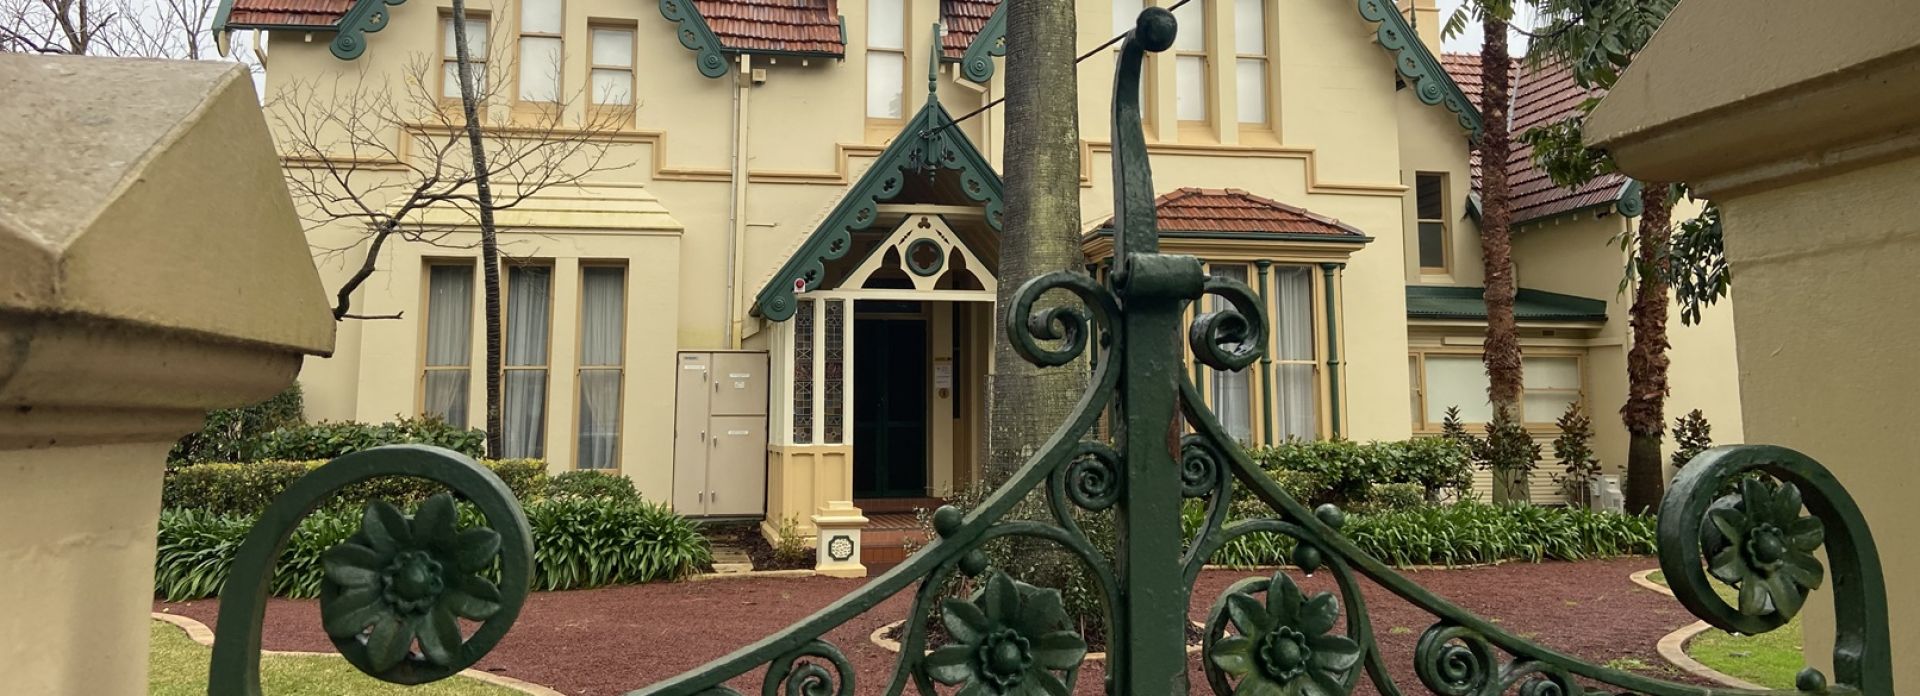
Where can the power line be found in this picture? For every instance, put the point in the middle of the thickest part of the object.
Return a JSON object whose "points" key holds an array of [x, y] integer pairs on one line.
{"points": [[1083, 57]]}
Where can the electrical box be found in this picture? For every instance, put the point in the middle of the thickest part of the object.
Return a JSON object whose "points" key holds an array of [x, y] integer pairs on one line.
{"points": [[720, 435]]}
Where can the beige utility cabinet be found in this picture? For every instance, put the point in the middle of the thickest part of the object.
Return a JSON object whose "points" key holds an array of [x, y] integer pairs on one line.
{"points": [[720, 435]]}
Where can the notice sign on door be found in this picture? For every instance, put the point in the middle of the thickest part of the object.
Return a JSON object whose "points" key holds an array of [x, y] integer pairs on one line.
{"points": [[943, 374]]}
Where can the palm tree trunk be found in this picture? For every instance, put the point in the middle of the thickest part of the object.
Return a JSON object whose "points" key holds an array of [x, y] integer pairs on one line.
{"points": [[489, 246], [1501, 351], [1645, 411], [1042, 224]]}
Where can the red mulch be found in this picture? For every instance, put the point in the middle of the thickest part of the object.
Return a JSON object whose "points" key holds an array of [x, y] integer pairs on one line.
{"points": [[610, 641]]}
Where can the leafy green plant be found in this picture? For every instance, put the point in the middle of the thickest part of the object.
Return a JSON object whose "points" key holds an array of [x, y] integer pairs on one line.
{"points": [[1574, 450], [329, 439], [1692, 434], [1344, 472], [578, 543], [585, 542], [1459, 534], [231, 435], [585, 483], [247, 488], [1509, 451], [790, 550]]}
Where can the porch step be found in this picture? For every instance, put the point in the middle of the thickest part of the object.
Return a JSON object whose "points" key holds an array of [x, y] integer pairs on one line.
{"points": [[886, 537], [731, 559]]}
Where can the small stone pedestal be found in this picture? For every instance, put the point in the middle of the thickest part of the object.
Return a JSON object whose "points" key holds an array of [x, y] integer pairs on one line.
{"points": [[151, 269], [838, 552]]}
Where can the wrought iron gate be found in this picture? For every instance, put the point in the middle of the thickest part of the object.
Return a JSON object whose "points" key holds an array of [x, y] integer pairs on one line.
{"points": [[1734, 514]]}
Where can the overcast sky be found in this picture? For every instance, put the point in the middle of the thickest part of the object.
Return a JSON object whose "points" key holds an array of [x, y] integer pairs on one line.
{"points": [[1468, 41]]}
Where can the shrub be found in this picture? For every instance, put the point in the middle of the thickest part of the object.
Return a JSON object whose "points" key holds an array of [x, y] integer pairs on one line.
{"points": [[592, 484], [585, 542], [1461, 534], [1393, 497], [579, 543], [329, 439], [791, 549], [1691, 436], [1343, 472], [1511, 454], [245, 489], [1574, 449], [230, 435]]}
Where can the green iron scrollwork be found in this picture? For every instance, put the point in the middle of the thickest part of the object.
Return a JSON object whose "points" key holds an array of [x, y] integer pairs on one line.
{"points": [[1139, 445], [397, 581]]}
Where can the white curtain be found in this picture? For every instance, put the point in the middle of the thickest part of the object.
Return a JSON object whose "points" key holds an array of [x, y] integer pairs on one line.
{"points": [[523, 411], [1232, 391], [449, 342], [602, 325], [1293, 318]]}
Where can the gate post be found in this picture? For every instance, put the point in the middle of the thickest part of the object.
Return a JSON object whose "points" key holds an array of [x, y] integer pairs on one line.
{"points": [[1149, 651], [151, 268]]}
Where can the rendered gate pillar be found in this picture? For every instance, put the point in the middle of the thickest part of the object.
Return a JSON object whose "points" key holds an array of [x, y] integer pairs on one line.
{"points": [[1798, 119], [151, 268]]}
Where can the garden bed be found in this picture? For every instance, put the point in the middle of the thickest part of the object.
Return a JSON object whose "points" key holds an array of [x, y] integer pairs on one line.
{"points": [[609, 641]]}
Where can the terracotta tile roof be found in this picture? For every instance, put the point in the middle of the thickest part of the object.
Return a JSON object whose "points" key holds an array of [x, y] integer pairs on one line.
{"points": [[1540, 97], [964, 19], [782, 26], [1234, 210], [287, 13]]}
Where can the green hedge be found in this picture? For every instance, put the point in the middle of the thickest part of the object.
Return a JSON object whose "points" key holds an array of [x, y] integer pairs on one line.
{"points": [[226, 488], [591, 484], [1345, 473], [579, 543], [329, 439], [1461, 534]]}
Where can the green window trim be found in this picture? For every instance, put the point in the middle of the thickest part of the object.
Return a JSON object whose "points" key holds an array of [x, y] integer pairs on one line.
{"points": [[929, 140]]}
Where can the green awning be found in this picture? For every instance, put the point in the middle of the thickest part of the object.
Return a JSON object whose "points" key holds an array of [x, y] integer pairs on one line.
{"points": [[1433, 302]]}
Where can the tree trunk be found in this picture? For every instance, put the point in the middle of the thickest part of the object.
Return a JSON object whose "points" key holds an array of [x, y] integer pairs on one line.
{"points": [[1645, 411], [489, 245], [1042, 223], [1501, 352]]}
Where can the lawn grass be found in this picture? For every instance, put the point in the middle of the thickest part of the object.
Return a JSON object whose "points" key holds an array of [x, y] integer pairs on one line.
{"points": [[178, 667], [1771, 659]]}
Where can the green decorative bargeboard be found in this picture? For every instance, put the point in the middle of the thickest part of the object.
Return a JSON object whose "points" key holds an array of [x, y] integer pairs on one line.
{"points": [[1140, 445]]}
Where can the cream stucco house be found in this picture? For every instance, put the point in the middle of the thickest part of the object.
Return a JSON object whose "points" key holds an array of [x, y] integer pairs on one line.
{"points": [[786, 299]]}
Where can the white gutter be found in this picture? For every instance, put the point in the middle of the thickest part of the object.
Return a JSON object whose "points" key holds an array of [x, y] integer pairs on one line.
{"points": [[737, 199]]}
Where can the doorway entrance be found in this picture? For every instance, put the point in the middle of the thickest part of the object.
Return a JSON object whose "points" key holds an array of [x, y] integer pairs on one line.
{"points": [[890, 400]]}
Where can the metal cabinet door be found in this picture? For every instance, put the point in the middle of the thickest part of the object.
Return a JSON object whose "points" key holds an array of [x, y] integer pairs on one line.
{"points": [[691, 441], [737, 466], [739, 384]]}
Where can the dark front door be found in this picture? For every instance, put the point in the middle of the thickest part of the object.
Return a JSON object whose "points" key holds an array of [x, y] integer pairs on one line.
{"points": [[889, 408]]}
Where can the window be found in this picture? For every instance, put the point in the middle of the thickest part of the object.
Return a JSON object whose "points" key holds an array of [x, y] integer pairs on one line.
{"points": [[1232, 391], [886, 58], [477, 41], [449, 355], [612, 72], [1190, 69], [541, 23], [523, 408], [1430, 198], [603, 311], [1250, 59], [1549, 384], [1295, 365]]}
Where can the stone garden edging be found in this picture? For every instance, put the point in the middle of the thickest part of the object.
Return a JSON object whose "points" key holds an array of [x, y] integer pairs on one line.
{"points": [[1673, 646], [199, 633]]}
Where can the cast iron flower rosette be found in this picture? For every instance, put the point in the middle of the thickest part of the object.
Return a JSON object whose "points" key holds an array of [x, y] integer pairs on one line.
{"points": [[1139, 445]]}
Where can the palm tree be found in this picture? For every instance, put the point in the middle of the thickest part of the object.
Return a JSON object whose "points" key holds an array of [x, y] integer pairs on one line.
{"points": [[1596, 39], [1501, 351], [1042, 226]]}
